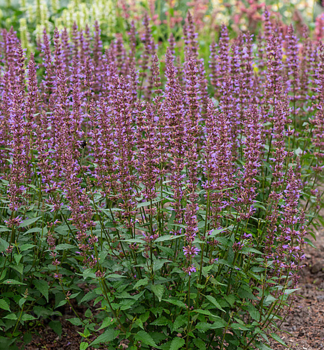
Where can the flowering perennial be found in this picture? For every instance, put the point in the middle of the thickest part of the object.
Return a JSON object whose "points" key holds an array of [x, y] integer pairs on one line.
{"points": [[176, 188]]}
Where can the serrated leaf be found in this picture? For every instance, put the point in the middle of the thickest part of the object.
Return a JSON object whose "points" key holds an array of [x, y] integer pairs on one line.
{"points": [[200, 344], [75, 321], [254, 313], [26, 317], [56, 326], [247, 250], [289, 291], [108, 321], [89, 296], [11, 317], [158, 290], [157, 264], [240, 327], [84, 346], [161, 321], [19, 268], [145, 338], [61, 303], [3, 245], [42, 287], [167, 238], [176, 302], [27, 246], [108, 336], [28, 222], [33, 230], [115, 276], [4, 305], [214, 302], [64, 246], [278, 339], [179, 321], [142, 282], [177, 343], [11, 282]]}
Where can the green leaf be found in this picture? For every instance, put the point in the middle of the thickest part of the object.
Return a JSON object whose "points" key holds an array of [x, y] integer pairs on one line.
{"points": [[75, 321], [176, 302], [88, 313], [21, 302], [203, 326], [161, 321], [89, 296], [42, 287], [289, 291], [214, 233], [177, 343], [142, 282], [115, 276], [254, 313], [83, 345], [108, 321], [214, 302], [4, 305], [179, 321], [157, 264], [64, 246], [26, 317], [11, 282], [167, 238], [108, 336], [19, 268], [158, 290], [28, 222], [240, 327], [262, 346], [3, 245], [278, 339], [11, 317], [61, 303], [247, 250], [200, 344], [145, 338], [33, 230], [26, 247], [56, 326]]}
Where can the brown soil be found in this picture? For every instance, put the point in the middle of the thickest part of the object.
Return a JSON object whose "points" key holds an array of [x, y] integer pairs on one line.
{"points": [[303, 328]]}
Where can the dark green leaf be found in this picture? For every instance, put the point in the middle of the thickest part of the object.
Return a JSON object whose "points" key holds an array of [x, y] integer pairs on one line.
{"points": [[4, 305], [158, 290], [200, 344], [42, 287], [145, 338], [278, 339], [56, 326], [142, 282], [214, 302], [106, 337], [177, 343], [28, 222]]}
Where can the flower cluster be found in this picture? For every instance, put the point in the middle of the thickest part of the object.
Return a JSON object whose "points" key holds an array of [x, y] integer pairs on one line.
{"points": [[166, 174]]}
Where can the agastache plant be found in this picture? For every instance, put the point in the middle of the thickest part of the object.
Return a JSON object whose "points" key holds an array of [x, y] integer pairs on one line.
{"points": [[181, 196]]}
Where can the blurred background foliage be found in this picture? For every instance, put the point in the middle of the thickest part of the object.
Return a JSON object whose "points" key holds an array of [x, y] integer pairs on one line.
{"points": [[29, 17]]}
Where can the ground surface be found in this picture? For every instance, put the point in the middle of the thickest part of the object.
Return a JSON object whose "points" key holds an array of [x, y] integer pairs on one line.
{"points": [[303, 328], [305, 323]]}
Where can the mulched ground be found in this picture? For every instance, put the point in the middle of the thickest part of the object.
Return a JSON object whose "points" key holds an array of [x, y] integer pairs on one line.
{"points": [[305, 323], [303, 328]]}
